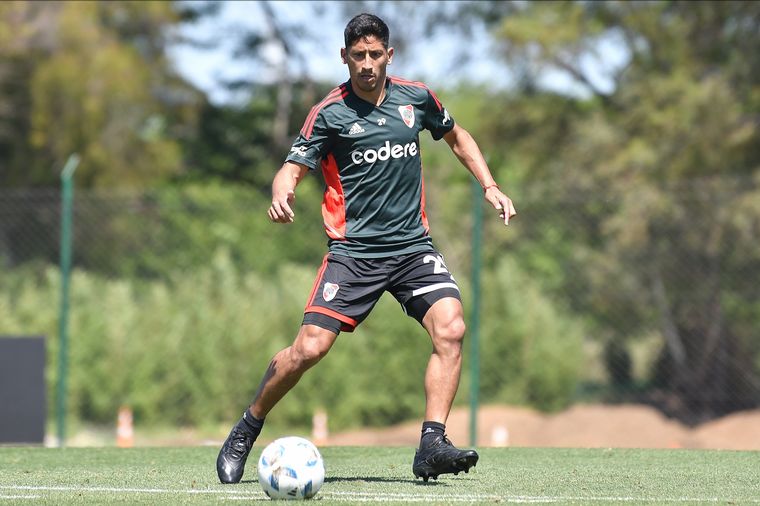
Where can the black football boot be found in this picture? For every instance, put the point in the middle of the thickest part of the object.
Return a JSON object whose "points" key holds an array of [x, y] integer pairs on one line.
{"points": [[230, 463], [441, 457]]}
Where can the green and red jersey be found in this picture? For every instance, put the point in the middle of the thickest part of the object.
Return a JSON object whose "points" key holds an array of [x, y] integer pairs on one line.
{"points": [[374, 200]]}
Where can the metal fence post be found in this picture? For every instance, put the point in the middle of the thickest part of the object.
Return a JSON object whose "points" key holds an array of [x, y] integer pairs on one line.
{"points": [[67, 198], [477, 211]]}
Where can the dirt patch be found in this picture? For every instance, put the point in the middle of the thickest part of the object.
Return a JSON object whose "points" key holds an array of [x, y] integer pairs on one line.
{"points": [[582, 426]]}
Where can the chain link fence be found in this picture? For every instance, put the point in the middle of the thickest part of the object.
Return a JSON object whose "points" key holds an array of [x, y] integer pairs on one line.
{"points": [[584, 300]]}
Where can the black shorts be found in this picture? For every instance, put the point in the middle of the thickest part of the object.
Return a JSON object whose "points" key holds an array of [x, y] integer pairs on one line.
{"points": [[346, 288]]}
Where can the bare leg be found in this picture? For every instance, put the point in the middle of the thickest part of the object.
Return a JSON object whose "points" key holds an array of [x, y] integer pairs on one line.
{"points": [[445, 324], [286, 368], [436, 455]]}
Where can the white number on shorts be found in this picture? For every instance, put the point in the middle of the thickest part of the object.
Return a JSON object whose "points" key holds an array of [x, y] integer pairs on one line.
{"points": [[439, 267]]}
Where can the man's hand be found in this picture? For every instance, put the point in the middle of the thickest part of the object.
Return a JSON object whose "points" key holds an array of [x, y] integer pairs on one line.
{"points": [[466, 149], [500, 202], [281, 210], [284, 192]]}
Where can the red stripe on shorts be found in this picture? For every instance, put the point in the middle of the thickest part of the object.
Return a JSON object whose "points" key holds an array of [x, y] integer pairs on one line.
{"points": [[317, 281]]}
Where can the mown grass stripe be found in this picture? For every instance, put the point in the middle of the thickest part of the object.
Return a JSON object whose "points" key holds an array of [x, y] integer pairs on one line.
{"points": [[368, 496], [382, 475]]}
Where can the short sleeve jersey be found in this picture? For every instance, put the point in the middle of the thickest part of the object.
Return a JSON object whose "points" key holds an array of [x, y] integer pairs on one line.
{"points": [[374, 200]]}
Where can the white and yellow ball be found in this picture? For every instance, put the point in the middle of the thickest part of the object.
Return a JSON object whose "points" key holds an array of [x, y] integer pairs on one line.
{"points": [[291, 468]]}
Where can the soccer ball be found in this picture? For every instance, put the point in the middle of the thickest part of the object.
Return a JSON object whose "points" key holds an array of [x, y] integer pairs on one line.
{"points": [[291, 468]]}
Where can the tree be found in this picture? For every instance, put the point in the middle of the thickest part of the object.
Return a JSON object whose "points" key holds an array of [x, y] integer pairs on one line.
{"points": [[673, 147], [246, 140], [91, 78], [640, 175]]}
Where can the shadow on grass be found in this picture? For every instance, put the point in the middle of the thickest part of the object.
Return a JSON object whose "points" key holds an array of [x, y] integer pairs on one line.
{"points": [[376, 479]]}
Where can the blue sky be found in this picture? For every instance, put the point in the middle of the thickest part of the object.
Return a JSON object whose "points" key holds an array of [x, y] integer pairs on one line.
{"points": [[205, 68], [428, 59]]}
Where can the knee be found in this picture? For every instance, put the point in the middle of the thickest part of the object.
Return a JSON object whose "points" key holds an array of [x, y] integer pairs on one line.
{"points": [[309, 348], [449, 336]]}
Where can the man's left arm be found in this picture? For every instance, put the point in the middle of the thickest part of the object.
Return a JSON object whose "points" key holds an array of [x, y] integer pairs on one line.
{"points": [[466, 149]]}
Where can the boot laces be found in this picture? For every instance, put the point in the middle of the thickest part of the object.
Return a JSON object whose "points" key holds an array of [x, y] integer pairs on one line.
{"points": [[442, 441], [239, 443]]}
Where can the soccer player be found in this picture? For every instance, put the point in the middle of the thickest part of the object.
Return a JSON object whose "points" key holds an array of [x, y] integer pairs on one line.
{"points": [[364, 135]]}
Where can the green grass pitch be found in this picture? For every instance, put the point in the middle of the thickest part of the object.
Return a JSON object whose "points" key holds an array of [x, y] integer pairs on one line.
{"points": [[362, 475]]}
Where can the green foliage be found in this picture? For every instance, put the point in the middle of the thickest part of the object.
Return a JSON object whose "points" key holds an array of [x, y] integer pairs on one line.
{"points": [[647, 182], [637, 198], [154, 233], [234, 142], [531, 348], [91, 78], [189, 349]]}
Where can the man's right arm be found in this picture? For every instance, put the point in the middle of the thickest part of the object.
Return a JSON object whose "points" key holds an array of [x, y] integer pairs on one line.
{"points": [[284, 191]]}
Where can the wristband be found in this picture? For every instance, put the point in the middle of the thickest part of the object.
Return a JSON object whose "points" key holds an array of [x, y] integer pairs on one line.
{"points": [[485, 188]]}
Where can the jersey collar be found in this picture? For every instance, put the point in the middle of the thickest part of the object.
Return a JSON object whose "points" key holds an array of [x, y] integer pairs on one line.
{"points": [[388, 87]]}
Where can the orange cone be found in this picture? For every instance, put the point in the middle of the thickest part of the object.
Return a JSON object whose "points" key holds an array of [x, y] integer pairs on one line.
{"points": [[319, 428], [125, 434]]}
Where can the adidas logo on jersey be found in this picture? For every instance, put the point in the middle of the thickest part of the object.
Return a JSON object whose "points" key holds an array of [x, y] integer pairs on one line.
{"points": [[355, 129]]}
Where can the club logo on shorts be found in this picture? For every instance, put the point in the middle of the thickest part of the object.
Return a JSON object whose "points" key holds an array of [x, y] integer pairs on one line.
{"points": [[407, 114], [329, 291]]}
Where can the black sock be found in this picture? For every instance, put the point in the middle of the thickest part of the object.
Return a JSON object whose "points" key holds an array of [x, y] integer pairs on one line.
{"points": [[253, 424], [431, 431]]}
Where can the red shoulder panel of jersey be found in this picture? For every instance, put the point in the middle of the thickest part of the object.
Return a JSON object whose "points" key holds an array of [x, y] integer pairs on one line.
{"points": [[418, 84], [335, 95]]}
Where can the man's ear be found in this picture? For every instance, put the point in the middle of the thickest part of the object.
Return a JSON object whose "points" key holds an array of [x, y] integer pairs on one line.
{"points": [[390, 55], [343, 54]]}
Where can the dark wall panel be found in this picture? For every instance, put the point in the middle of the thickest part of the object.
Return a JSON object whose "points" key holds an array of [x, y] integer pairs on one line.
{"points": [[22, 390]]}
